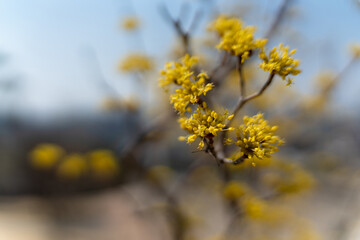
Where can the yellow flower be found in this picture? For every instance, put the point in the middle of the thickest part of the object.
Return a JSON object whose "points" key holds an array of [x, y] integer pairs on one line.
{"points": [[45, 156], [280, 62], [256, 138], [355, 50], [204, 123], [72, 166], [103, 163], [224, 24], [236, 38], [288, 177], [191, 87], [130, 23], [177, 72], [235, 190], [136, 63], [254, 208]]}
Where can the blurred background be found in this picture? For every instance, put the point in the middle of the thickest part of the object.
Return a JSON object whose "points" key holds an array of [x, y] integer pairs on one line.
{"points": [[89, 143]]}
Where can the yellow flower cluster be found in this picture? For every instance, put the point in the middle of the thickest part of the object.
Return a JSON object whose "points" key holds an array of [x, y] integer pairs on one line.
{"points": [[280, 62], [100, 163], [236, 38], [288, 177], [136, 62], [240, 193], [255, 208], [130, 23], [224, 24], [103, 163], [355, 50], [235, 190], [204, 123], [256, 138], [72, 166], [46, 155], [191, 87]]}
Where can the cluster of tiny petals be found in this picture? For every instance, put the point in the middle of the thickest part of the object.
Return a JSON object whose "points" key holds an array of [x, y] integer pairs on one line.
{"points": [[177, 72], [191, 87], [204, 123], [235, 38], [280, 62], [256, 138], [225, 24], [136, 63]]}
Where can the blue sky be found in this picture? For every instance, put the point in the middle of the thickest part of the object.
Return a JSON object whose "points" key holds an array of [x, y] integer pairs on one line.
{"points": [[51, 45]]}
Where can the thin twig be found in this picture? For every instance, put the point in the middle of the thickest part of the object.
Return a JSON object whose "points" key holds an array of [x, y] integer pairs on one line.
{"points": [[218, 155], [278, 19], [241, 78], [181, 32], [219, 67], [243, 101]]}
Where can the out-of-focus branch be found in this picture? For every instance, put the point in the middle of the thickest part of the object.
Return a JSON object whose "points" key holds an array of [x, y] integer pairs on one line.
{"points": [[183, 34], [141, 136], [345, 69], [241, 78], [278, 18]]}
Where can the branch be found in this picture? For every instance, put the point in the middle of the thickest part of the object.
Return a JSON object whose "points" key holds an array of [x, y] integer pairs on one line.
{"points": [[279, 17], [141, 136], [243, 100], [241, 78], [181, 32], [218, 155]]}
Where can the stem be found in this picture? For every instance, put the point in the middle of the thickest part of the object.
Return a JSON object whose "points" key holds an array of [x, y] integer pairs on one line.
{"points": [[243, 100], [182, 34], [218, 155], [241, 78], [279, 17]]}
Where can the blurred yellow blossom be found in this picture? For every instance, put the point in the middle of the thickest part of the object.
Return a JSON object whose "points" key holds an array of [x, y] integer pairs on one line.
{"points": [[130, 23], [46, 155], [113, 104], [136, 62], [254, 207], [103, 163], [355, 50], [280, 62], [288, 177], [234, 190], [72, 166]]}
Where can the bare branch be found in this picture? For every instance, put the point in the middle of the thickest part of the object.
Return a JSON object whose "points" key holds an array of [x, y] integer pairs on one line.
{"points": [[195, 21], [241, 78], [278, 18], [182, 34], [243, 101]]}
